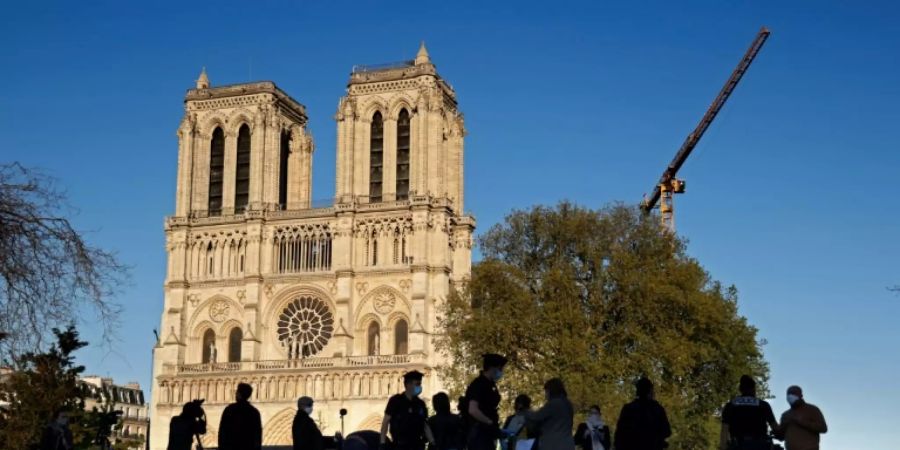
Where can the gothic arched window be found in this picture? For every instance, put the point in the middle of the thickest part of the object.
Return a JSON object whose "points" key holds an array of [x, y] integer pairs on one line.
{"points": [[242, 172], [376, 158], [234, 344], [209, 347], [216, 171], [373, 339], [401, 338], [283, 169], [403, 155]]}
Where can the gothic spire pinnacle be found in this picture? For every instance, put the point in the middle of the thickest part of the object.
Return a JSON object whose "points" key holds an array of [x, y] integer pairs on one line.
{"points": [[422, 55], [203, 80]]}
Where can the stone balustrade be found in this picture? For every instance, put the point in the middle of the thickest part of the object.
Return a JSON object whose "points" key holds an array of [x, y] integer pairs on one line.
{"points": [[338, 378]]}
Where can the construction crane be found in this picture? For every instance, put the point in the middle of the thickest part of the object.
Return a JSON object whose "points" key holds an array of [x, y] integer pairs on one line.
{"points": [[668, 185]]}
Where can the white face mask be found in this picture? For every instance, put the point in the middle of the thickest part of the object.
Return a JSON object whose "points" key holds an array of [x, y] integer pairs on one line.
{"points": [[308, 410], [791, 399]]}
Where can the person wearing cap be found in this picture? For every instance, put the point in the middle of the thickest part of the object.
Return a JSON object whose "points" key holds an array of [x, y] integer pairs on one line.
{"points": [[746, 420], [483, 399], [305, 432], [802, 424], [406, 416], [643, 424]]}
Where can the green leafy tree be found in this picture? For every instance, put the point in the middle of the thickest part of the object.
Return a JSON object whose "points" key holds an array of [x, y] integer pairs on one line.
{"points": [[39, 385], [599, 298]]}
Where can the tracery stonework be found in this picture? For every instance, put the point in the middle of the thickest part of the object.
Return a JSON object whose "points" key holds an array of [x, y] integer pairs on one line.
{"points": [[310, 300], [218, 311], [384, 302]]}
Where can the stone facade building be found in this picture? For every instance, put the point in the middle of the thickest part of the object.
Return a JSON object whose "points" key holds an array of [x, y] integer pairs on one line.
{"points": [[129, 399], [333, 302]]}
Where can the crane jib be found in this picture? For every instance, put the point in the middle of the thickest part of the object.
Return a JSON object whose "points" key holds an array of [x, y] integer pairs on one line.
{"points": [[681, 156]]}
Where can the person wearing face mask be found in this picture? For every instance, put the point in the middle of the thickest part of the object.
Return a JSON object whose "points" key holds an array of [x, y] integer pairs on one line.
{"points": [[593, 434], [802, 424], [305, 432], [643, 424], [746, 420], [406, 416], [482, 401]]}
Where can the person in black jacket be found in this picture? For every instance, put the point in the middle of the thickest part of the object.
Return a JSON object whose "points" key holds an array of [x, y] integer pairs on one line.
{"points": [[446, 427], [240, 427], [305, 432], [643, 424], [183, 427], [593, 433]]}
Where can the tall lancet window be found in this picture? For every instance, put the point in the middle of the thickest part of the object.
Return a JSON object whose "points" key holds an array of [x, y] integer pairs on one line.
{"points": [[209, 347], [242, 174], [216, 171], [403, 155], [234, 344], [376, 158], [373, 339], [283, 169], [401, 338]]}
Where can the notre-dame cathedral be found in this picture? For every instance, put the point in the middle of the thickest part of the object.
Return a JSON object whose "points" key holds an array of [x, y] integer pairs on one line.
{"points": [[335, 302]]}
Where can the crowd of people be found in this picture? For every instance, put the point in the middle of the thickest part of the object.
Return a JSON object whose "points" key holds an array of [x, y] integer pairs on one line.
{"points": [[748, 422]]}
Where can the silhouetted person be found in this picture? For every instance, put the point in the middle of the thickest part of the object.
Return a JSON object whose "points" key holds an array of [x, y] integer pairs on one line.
{"points": [[593, 434], [304, 430], [362, 440], [746, 420], [553, 422], [643, 424], [407, 416], [516, 425], [241, 427], [183, 427], [57, 435], [802, 424], [482, 401], [446, 427]]}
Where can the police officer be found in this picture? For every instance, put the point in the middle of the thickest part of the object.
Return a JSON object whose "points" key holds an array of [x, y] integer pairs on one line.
{"points": [[745, 419], [406, 415], [483, 399]]}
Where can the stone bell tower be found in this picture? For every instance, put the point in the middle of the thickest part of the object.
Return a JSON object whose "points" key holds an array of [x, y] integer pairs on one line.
{"points": [[409, 114], [242, 148]]}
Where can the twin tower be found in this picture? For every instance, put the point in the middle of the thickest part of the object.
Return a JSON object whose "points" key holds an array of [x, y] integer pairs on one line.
{"points": [[335, 302]]}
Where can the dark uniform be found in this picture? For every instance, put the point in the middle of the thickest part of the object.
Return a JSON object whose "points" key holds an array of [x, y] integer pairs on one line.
{"points": [[408, 418], [747, 418], [484, 391]]}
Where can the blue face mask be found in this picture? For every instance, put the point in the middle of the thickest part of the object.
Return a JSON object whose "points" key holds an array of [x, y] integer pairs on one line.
{"points": [[417, 391], [498, 375]]}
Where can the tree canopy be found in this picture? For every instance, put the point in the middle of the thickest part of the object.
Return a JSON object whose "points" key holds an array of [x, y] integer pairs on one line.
{"points": [[599, 298]]}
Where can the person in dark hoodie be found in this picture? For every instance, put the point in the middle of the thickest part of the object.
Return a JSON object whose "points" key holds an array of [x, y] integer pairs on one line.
{"points": [[305, 432], [643, 424], [241, 426]]}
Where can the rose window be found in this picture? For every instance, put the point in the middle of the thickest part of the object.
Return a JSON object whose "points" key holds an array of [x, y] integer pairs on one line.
{"points": [[305, 326]]}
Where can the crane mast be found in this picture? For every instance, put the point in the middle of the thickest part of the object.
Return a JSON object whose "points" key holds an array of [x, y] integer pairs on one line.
{"points": [[668, 185]]}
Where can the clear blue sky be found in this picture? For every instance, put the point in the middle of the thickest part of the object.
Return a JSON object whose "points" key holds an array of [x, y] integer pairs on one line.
{"points": [[792, 195]]}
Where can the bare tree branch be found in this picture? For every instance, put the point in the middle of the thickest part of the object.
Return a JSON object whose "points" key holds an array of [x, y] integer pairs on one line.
{"points": [[49, 274]]}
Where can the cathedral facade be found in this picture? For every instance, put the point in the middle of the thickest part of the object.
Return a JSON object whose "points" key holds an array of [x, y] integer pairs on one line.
{"points": [[335, 302]]}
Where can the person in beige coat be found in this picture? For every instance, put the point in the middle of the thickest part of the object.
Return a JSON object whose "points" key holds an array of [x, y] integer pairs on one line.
{"points": [[802, 424]]}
